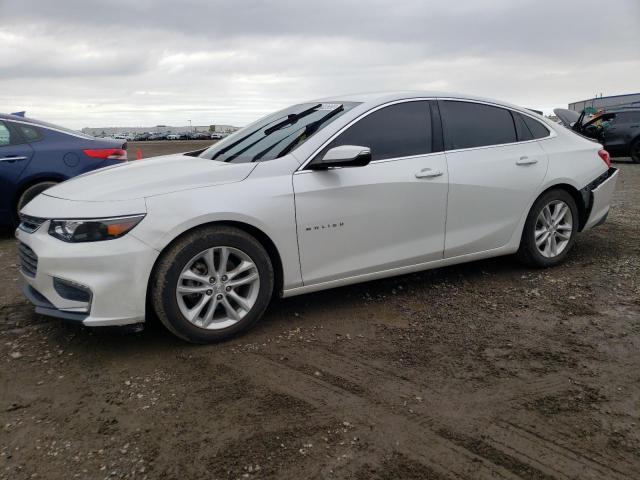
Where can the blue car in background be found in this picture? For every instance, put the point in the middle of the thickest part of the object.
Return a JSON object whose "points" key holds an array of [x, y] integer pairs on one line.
{"points": [[36, 155]]}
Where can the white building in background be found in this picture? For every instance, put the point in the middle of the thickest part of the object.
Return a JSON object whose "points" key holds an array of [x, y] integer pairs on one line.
{"points": [[109, 131], [613, 101]]}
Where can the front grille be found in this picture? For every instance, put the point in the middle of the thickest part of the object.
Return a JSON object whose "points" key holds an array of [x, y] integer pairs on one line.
{"points": [[28, 260], [30, 224]]}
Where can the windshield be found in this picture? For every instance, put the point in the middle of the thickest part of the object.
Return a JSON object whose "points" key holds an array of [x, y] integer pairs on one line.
{"points": [[277, 134]]}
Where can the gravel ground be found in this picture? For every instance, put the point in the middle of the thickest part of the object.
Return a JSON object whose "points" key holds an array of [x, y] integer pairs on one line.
{"points": [[481, 371]]}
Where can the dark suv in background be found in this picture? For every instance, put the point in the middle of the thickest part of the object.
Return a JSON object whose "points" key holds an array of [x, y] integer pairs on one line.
{"points": [[617, 129]]}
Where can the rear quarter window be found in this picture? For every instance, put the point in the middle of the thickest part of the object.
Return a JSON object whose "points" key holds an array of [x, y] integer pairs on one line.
{"points": [[30, 133], [536, 128]]}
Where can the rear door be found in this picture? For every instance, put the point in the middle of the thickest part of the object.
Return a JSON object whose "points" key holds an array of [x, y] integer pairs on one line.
{"points": [[15, 155], [495, 167]]}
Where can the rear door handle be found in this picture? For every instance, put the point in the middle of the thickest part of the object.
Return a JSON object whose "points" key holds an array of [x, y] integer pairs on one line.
{"points": [[429, 173], [526, 161], [12, 158]]}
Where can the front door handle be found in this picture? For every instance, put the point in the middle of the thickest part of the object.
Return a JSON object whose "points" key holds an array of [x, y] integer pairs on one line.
{"points": [[526, 161], [12, 158], [429, 173]]}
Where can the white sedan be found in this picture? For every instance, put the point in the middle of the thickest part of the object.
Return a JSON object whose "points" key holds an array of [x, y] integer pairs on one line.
{"points": [[315, 196]]}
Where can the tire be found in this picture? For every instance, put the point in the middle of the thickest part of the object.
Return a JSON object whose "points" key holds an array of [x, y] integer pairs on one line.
{"points": [[634, 151], [30, 193], [543, 256], [185, 267]]}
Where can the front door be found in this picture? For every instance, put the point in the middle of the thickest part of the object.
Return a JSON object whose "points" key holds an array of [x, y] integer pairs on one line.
{"points": [[388, 214]]}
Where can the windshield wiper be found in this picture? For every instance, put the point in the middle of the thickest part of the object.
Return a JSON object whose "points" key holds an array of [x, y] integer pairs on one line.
{"points": [[308, 130], [238, 142], [291, 119]]}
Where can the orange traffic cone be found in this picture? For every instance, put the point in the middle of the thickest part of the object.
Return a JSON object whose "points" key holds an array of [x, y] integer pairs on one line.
{"points": [[138, 154]]}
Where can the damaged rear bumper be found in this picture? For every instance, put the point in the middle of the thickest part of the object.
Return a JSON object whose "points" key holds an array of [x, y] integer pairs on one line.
{"points": [[597, 196]]}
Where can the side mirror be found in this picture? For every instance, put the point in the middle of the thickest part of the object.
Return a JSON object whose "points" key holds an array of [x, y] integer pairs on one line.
{"points": [[343, 156]]}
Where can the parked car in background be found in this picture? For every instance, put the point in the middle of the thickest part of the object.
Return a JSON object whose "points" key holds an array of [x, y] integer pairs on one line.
{"points": [[174, 136], [216, 136], [617, 129], [198, 136], [317, 195], [141, 137], [35, 155], [157, 136], [124, 136]]}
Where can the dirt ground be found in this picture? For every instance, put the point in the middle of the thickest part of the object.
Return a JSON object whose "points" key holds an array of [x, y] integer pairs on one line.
{"points": [[482, 371]]}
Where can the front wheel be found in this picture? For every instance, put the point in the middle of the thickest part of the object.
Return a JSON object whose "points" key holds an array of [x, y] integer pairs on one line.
{"points": [[211, 284], [550, 230]]}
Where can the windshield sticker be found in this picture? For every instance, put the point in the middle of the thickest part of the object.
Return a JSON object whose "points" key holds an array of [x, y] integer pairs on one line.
{"points": [[329, 106]]}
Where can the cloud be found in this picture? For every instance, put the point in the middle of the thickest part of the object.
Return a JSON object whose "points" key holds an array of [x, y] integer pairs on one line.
{"points": [[118, 62]]}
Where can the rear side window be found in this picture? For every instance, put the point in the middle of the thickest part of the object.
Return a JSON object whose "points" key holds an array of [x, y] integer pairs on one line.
{"points": [[468, 125], [30, 133], [399, 130], [537, 129], [5, 135]]}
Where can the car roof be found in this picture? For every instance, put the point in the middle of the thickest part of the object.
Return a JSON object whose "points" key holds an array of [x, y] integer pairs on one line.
{"points": [[47, 125], [17, 118], [7, 116], [385, 97]]}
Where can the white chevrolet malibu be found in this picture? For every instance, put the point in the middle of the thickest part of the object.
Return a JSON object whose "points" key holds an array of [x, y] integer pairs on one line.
{"points": [[315, 196]]}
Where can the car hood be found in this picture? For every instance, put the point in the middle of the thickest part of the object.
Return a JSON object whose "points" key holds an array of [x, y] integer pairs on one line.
{"points": [[153, 176]]}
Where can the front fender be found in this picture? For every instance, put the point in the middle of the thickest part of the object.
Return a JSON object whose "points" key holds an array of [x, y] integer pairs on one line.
{"points": [[264, 203]]}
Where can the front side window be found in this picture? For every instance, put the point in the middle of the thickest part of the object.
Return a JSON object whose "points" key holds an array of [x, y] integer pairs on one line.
{"points": [[399, 130], [5, 135], [469, 125], [627, 117], [278, 134]]}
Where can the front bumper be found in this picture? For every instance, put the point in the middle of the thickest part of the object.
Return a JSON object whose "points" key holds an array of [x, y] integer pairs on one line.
{"points": [[599, 194], [114, 272]]}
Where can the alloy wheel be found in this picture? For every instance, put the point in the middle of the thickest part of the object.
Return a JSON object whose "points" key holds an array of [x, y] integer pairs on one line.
{"points": [[218, 287], [553, 230]]}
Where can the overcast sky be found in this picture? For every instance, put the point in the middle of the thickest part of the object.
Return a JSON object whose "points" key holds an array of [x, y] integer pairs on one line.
{"points": [[142, 62]]}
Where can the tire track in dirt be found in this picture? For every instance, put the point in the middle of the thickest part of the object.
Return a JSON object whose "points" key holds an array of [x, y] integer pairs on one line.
{"points": [[551, 443], [507, 446], [418, 442]]}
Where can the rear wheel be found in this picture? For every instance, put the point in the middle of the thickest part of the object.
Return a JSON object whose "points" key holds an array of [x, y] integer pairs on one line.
{"points": [[635, 151], [30, 193], [212, 284], [550, 230]]}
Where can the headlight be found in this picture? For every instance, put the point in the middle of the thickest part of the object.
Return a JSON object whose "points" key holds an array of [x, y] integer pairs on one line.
{"points": [[93, 229]]}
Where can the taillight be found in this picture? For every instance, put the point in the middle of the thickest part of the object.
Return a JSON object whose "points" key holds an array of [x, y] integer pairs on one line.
{"points": [[604, 155], [106, 153]]}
